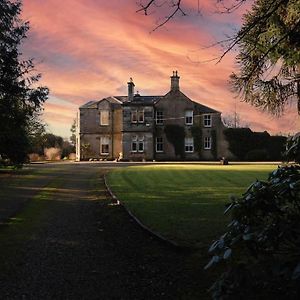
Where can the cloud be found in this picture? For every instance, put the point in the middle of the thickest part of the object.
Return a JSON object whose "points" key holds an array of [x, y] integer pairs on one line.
{"points": [[88, 49]]}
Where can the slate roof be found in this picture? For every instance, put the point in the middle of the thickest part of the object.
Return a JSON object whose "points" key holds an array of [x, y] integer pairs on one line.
{"points": [[205, 109], [139, 100]]}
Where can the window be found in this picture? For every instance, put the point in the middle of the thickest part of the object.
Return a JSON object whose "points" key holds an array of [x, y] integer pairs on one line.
{"points": [[207, 143], [104, 117], [159, 117], [141, 116], [141, 146], [189, 117], [159, 144], [134, 143], [104, 145], [137, 144], [189, 144], [207, 120], [134, 116]]}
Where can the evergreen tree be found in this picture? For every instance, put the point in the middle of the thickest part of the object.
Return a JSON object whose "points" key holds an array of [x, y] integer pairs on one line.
{"points": [[269, 55], [20, 97]]}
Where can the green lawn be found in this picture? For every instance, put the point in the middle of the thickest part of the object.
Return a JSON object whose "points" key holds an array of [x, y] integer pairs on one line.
{"points": [[183, 202]]}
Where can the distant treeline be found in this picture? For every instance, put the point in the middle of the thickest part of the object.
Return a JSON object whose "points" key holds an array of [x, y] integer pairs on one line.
{"points": [[255, 146]]}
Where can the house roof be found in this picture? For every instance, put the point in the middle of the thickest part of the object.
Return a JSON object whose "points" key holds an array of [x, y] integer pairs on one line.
{"points": [[205, 109], [88, 104], [139, 100]]}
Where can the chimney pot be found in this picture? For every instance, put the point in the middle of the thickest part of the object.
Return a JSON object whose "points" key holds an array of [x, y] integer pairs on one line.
{"points": [[131, 86], [175, 81]]}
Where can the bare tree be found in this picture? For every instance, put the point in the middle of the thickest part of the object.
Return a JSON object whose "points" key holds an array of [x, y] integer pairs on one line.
{"points": [[268, 44]]}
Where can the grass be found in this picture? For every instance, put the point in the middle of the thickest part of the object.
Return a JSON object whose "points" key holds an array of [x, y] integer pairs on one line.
{"points": [[183, 202]]}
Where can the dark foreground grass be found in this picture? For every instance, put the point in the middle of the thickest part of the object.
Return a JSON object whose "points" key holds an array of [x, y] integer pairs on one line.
{"points": [[183, 202]]}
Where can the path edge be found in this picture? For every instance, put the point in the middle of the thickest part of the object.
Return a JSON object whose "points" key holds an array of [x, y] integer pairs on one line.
{"points": [[139, 222]]}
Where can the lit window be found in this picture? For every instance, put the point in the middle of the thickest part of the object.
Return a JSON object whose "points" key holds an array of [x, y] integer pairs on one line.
{"points": [[104, 117], [189, 117], [104, 145], [207, 143], [141, 116], [159, 144], [189, 144], [134, 116], [207, 121], [159, 117]]}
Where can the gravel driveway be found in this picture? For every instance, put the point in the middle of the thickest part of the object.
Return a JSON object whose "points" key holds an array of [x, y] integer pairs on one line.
{"points": [[84, 247]]}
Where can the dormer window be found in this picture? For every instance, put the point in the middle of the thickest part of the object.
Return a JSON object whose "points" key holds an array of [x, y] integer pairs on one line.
{"points": [[207, 122], [189, 117], [104, 117]]}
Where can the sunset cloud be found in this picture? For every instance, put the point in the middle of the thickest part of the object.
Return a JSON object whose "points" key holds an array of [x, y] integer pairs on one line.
{"points": [[88, 49]]}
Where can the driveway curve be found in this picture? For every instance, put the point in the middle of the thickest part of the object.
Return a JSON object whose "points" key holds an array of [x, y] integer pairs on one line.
{"points": [[65, 239]]}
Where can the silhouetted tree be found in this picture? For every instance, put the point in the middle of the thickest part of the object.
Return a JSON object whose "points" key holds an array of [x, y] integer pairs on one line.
{"points": [[20, 98], [268, 44], [73, 133]]}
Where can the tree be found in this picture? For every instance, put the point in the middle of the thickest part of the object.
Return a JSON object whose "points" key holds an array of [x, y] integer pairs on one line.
{"points": [[36, 130], [268, 45], [233, 121], [20, 97], [269, 55], [73, 133]]}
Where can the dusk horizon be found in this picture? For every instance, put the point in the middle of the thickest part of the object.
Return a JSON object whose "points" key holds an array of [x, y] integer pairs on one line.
{"points": [[88, 50]]}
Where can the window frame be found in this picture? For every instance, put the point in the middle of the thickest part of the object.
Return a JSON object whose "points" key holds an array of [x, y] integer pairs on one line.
{"points": [[134, 141], [139, 114], [102, 111], [159, 143], [134, 113], [207, 143], [187, 117], [106, 138], [189, 142], [141, 142], [207, 120], [160, 120]]}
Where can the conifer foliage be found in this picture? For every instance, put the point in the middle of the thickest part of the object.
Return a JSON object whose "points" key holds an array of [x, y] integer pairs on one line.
{"points": [[20, 96]]}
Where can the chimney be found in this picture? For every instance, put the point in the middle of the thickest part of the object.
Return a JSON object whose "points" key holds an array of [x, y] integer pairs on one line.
{"points": [[130, 89], [175, 82]]}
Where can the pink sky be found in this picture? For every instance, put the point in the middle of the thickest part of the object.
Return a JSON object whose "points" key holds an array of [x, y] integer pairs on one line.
{"points": [[88, 49]]}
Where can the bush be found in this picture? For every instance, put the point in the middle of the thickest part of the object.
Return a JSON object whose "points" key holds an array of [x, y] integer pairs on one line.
{"points": [[35, 157], [262, 244], [243, 140], [52, 153], [257, 155]]}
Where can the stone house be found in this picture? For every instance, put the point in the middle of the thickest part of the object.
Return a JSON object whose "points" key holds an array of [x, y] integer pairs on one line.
{"points": [[137, 128]]}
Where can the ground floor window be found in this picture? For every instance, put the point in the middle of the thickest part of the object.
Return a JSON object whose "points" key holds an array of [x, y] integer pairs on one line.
{"points": [[189, 144], [137, 144], [104, 145], [159, 144], [207, 142]]}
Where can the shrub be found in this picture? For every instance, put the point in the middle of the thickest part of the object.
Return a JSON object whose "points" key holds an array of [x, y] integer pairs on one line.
{"points": [[35, 157], [257, 155], [262, 243], [52, 153], [261, 248], [243, 140], [175, 135]]}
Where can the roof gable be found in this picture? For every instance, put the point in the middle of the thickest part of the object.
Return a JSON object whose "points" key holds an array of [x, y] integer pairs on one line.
{"points": [[179, 95]]}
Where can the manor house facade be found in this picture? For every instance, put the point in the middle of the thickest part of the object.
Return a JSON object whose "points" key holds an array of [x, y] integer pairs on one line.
{"points": [[138, 128]]}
